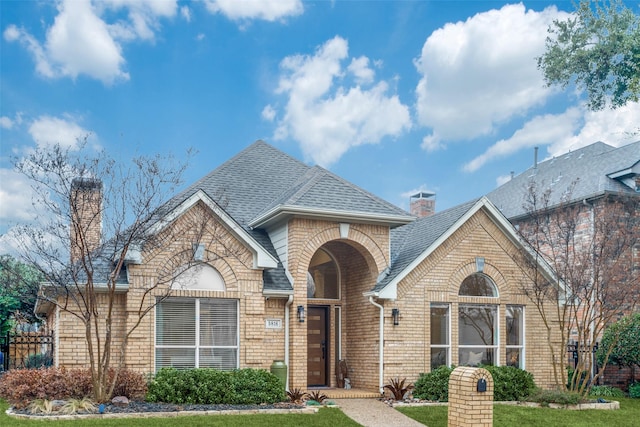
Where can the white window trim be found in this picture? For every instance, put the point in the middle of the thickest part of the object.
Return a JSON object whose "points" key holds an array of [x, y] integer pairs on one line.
{"points": [[197, 345], [338, 313], [522, 347], [495, 347], [447, 346]]}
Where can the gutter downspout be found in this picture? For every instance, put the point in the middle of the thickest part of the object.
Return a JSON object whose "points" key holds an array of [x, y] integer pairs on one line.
{"points": [[381, 362], [286, 337]]}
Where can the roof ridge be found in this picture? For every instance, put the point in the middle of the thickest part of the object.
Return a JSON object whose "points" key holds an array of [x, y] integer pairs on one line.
{"points": [[366, 193], [314, 174]]}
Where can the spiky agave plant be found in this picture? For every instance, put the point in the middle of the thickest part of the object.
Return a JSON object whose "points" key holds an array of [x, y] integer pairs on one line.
{"points": [[296, 395], [398, 388]]}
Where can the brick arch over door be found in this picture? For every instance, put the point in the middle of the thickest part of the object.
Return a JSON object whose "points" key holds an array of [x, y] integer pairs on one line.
{"points": [[361, 242]]}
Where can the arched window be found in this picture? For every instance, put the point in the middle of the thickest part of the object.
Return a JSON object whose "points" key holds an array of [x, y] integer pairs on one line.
{"points": [[322, 277], [201, 277], [477, 323], [478, 285]]}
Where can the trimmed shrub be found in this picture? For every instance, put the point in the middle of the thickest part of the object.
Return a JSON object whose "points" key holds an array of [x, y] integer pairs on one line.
{"points": [[510, 383], [434, 385], [634, 390], [605, 391], [254, 386], [21, 386], [210, 386], [560, 397]]}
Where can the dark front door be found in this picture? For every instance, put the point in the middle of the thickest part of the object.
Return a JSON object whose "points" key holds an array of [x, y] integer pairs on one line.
{"points": [[317, 346]]}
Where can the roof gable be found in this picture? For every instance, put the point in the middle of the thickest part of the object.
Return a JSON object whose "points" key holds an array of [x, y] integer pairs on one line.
{"points": [[261, 257], [413, 243]]}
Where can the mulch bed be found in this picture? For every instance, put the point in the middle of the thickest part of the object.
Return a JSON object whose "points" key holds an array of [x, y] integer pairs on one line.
{"points": [[146, 407]]}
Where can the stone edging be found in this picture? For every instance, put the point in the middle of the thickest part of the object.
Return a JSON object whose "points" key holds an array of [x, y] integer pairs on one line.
{"points": [[610, 405], [174, 414]]}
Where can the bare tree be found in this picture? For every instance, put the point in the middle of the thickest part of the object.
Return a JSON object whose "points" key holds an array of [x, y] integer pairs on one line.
{"points": [[97, 215], [589, 245]]}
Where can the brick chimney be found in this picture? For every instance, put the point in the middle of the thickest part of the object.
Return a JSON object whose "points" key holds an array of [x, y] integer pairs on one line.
{"points": [[423, 204], [85, 202]]}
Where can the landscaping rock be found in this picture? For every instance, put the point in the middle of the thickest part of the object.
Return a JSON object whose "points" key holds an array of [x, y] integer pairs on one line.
{"points": [[120, 401]]}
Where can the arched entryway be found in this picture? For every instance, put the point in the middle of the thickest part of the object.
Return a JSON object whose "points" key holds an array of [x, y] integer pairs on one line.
{"points": [[337, 313]]}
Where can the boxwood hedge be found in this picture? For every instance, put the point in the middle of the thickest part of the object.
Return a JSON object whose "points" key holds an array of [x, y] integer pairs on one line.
{"points": [[211, 386], [509, 383]]}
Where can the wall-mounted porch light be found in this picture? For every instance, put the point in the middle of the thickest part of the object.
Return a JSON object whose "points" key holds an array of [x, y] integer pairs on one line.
{"points": [[301, 313], [395, 314]]}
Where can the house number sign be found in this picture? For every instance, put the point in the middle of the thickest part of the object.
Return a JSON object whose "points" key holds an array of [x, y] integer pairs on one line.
{"points": [[274, 323]]}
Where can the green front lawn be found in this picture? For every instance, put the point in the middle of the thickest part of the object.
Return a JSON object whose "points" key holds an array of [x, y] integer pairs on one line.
{"points": [[326, 417], [506, 415]]}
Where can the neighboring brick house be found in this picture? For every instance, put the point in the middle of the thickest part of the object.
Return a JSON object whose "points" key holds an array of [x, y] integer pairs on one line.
{"points": [[590, 179], [325, 271]]}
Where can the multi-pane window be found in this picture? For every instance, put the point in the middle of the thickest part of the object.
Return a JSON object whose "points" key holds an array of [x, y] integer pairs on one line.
{"points": [[197, 333], [515, 336], [440, 336], [477, 334]]}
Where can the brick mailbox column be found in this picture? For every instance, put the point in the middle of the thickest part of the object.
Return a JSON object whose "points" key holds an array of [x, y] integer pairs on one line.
{"points": [[469, 405]]}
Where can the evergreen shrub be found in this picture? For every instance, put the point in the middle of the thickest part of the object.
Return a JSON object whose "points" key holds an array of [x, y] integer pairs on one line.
{"points": [[634, 390], [434, 385], [211, 386], [509, 384]]}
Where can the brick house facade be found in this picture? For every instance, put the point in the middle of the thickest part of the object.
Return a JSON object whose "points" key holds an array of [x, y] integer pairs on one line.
{"points": [[597, 185], [322, 272]]}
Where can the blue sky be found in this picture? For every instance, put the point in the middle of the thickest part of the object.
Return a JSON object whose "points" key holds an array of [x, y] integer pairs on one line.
{"points": [[394, 96]]}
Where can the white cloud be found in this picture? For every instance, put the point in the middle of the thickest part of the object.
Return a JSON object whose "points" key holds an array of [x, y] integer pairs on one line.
{"points": [[185, 12], [200, 37], [15, 198], [615, 127], [269, 113], [480, 73], [81, 42], [327, 114], [47, 130], [267, 10], [574, 128], [6, 122], [539, 131], [143, 15], [43, 66], [360, 69]]}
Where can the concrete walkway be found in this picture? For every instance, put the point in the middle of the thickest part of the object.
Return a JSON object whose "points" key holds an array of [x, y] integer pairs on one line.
{"points": [[374, 413]]}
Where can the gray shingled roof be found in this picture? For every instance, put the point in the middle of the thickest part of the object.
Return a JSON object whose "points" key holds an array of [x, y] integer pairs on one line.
{"points": [[260, 179], [410, 241], [588, 167], [247, 184]]}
